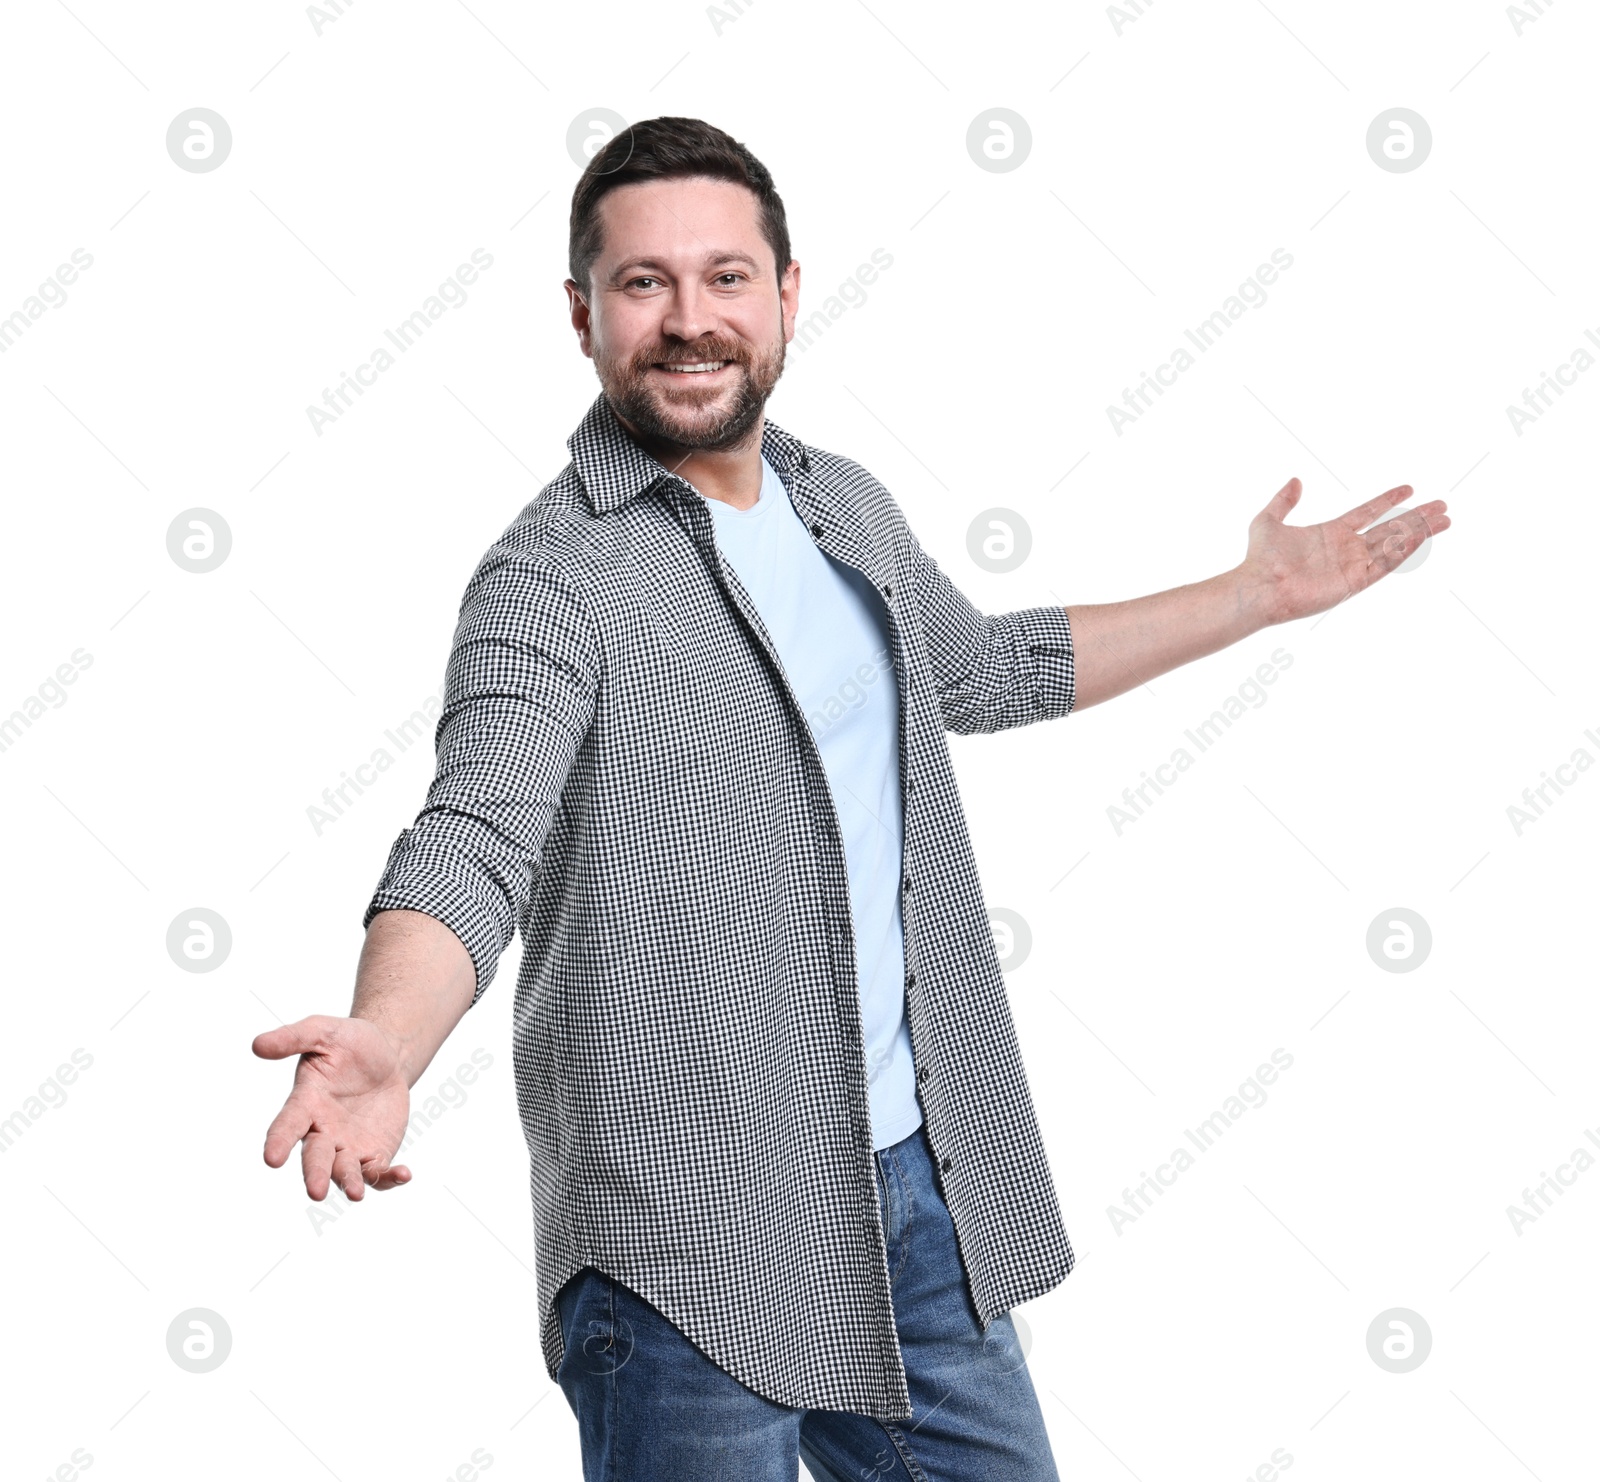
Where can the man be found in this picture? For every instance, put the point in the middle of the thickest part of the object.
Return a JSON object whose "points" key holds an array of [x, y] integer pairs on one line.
{"points": [[786, 1174]]}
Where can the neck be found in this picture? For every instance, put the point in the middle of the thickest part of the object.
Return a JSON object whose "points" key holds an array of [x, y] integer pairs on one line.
{"points": [[732, 475]]}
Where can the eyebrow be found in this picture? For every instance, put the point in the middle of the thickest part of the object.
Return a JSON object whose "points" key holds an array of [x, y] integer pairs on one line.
{"points": [[714, 261]]}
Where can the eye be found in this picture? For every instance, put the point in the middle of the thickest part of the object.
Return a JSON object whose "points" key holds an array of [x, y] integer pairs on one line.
{"points": [[647, 278]]}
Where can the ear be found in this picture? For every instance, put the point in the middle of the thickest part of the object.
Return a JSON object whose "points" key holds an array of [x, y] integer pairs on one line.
{"points": [[578, 312], [789, 299]]}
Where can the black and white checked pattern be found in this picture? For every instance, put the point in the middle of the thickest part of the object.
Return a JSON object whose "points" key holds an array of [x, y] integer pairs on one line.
{"points": [[623, 771]]}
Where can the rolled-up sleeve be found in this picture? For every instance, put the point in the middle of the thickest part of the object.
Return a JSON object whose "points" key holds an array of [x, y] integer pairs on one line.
{"points": [[992, 672], [519, 698]]}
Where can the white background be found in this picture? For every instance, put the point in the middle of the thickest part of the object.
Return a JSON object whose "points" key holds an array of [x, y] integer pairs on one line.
{"points": [[1168, 961]]}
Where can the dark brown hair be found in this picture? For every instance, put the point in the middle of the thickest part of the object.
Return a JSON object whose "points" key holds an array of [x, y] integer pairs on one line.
{"points": [[667, 149]]}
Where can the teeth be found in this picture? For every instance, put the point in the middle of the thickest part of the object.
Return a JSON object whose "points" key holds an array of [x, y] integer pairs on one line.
{"points": [[694, 367]]}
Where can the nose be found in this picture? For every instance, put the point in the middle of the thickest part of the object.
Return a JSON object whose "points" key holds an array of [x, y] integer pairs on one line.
{"points": [[690, 312]]}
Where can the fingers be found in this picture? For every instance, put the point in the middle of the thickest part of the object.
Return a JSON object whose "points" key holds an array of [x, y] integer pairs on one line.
{"points": [[288, 1127], [1283, 501], [299, 1038], [325, 1163], [347, 1173], [316, 1162], [1364, 514], [375, 1172], [1394, 540], [324, 1160]]}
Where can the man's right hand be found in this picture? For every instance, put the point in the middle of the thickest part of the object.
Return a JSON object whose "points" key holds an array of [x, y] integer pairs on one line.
{"points": [[349, 1105]]}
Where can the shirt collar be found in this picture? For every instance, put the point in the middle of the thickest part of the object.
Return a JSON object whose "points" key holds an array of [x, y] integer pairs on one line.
{"points": [[615, 469]]}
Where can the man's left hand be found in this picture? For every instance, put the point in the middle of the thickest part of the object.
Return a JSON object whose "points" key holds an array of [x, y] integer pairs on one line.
{"points": [[1293, 571]]}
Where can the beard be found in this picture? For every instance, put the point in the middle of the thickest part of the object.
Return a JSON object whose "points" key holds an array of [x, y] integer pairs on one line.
{"points": [[691, 416]]}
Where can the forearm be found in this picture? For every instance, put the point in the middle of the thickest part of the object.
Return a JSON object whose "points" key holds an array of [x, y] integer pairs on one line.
{"points": [[415, 980], [1117, 645]]}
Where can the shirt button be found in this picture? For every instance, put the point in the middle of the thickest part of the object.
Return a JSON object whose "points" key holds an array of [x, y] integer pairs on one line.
{"points": [[922, 1074], [945, 1165], [911, 980], [816, 530], [888, 592], [908, 885]]}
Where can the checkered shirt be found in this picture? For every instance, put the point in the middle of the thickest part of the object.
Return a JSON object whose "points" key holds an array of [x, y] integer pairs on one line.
{"points": [[624, 772]]}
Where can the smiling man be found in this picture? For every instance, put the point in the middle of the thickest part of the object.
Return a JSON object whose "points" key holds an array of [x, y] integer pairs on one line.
{"points": [[786, 1174]]}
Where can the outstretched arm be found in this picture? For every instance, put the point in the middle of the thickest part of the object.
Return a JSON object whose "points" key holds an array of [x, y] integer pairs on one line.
{"points": [[1289, 571], [519, 697]]}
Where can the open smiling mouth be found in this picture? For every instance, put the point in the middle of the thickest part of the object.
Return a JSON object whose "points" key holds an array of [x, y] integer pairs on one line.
{"points": [[687, 370]]}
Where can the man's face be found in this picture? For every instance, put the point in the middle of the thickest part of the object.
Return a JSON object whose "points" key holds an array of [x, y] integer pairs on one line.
{"points": [[685, 278]]}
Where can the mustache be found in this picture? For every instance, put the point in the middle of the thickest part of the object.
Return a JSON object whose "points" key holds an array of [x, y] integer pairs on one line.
{"points": [[704, 351]]}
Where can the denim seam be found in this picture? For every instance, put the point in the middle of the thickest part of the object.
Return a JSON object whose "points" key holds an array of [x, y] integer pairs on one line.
{"points": [[613, 1397], [912, 1466]]}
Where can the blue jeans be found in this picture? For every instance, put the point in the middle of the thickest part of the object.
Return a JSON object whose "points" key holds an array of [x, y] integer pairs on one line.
{"points": [[669, 1412]]}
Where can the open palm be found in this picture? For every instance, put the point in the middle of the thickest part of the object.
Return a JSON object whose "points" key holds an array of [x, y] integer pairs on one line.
{"points": [[349, 1105], [1297, 570]]}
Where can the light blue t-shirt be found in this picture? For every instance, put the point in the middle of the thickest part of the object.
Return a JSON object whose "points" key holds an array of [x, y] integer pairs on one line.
{"points": [[828, 624]]}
